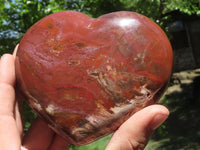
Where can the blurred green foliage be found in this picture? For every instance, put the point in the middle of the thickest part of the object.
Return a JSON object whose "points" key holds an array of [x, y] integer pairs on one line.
{"points": [[28, 116], [97, 145], [17, 16]]}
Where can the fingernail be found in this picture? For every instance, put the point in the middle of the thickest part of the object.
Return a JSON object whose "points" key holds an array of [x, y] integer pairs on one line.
{"points": [[15, 50], [158, 120]]}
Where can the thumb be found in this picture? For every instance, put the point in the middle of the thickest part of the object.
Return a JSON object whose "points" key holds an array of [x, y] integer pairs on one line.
{"points": [[134, 134]]}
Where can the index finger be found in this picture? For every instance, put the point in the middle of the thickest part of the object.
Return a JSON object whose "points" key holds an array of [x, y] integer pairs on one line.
{"points": [[8, 127]]}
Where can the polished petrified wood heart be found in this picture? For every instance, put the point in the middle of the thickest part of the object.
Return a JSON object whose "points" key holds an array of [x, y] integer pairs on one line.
{"points": [[86, 76]]}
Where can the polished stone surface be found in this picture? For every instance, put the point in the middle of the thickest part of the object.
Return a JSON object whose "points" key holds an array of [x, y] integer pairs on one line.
{"points": [[86, 76]]}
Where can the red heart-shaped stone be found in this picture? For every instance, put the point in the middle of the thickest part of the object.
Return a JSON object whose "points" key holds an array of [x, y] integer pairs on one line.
{"points": [[86, 76]]}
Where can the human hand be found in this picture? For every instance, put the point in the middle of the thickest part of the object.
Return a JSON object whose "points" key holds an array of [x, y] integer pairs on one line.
{"points": [[132, 135], [135, 133], [39, 136]]}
